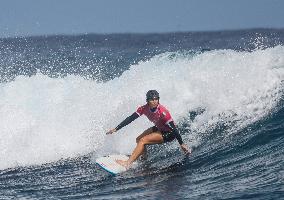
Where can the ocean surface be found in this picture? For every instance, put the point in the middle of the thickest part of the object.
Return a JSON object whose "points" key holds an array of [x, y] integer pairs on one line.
{"points": [[60, 94]]}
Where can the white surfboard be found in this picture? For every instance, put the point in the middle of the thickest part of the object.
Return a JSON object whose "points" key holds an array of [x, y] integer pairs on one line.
{"points": [[109, 164]]}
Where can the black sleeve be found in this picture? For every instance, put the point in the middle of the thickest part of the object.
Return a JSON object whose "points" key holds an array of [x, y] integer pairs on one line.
{"points": [[127, 121], [175, 132]]}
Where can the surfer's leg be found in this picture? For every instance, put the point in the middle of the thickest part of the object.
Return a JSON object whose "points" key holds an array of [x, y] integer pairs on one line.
{"points": [[146, 132], [153, 138]]}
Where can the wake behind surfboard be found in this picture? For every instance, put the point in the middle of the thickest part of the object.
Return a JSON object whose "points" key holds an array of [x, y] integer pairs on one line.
{"points": [[109, 164]]}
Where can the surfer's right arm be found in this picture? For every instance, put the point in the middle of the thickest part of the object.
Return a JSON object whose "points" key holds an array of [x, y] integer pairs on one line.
{"points": [[125, 122]]}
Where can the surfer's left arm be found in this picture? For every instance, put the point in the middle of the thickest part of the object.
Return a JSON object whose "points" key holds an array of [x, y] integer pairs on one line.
{"points": [[174, 130], [125, 122]]}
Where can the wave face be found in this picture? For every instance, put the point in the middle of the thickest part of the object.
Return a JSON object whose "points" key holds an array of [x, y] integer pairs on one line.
{"points": [[227, 102]]}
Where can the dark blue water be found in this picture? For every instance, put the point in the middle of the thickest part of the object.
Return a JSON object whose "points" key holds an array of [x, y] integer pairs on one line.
{"points": [[225, 88]]}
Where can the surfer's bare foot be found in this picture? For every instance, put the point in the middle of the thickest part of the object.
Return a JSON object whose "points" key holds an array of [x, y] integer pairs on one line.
{"points": [[123, 163]]}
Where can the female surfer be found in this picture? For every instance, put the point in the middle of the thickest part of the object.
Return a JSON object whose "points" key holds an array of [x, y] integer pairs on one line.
{"points": [[163, 131]]}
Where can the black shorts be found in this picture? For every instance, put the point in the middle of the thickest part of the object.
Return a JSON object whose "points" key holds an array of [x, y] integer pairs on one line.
{"points": [[168, 136]]}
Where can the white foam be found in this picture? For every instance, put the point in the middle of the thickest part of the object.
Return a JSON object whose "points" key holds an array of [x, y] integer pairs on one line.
{"points": [[46, 119]]}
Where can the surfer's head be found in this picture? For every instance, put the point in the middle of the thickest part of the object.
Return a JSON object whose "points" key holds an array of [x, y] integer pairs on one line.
{"points": [[152, 98]]}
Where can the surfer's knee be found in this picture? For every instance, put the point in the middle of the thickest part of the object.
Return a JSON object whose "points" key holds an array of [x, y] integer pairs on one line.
{"points": [[142, 141], [137, 140]]}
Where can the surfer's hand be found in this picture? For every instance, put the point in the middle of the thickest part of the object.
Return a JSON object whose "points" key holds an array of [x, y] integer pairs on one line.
{"points": [[111, 131], [185, 149]]}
